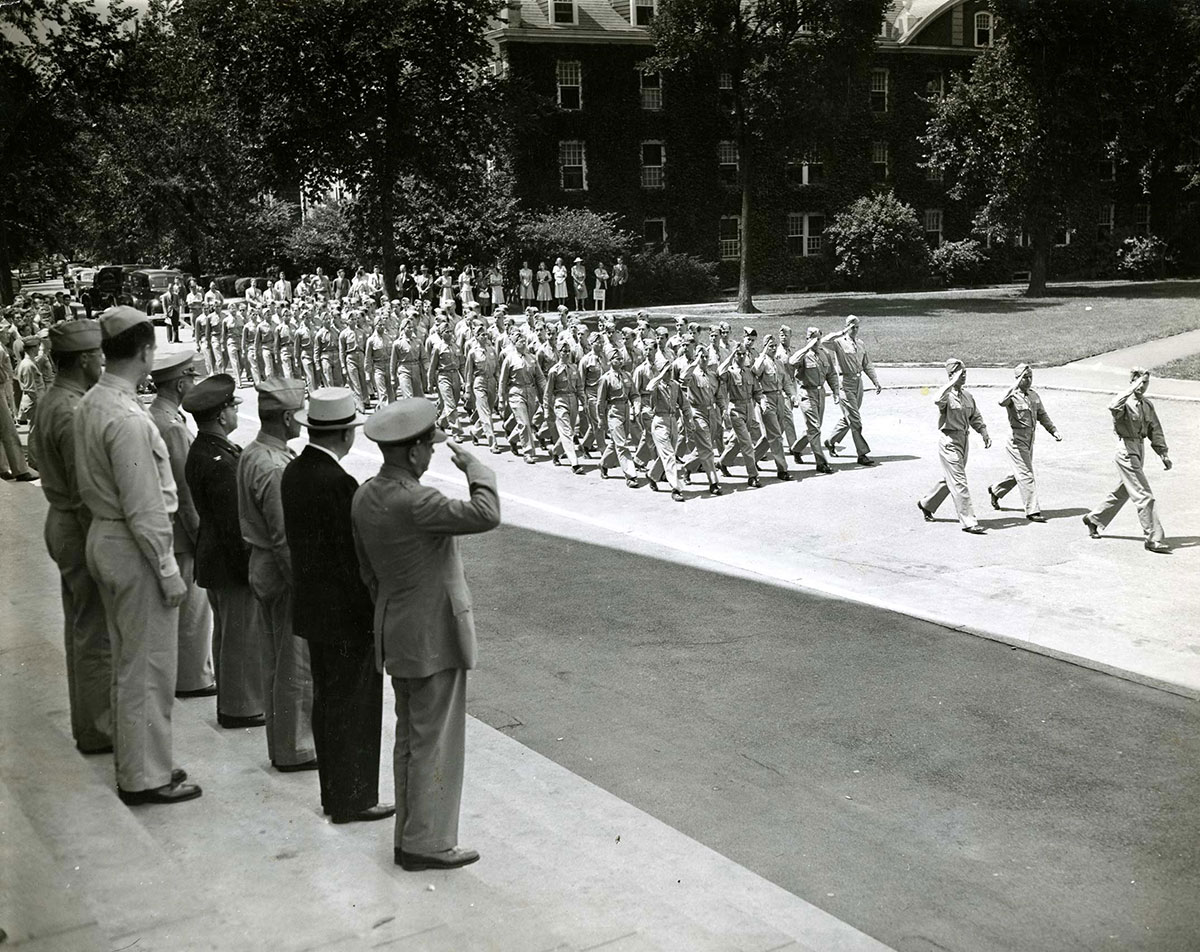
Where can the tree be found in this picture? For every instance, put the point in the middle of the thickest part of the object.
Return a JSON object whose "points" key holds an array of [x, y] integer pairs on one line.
{"points": [[593, 236], [783, 57], [879, 243], [58, 64]]}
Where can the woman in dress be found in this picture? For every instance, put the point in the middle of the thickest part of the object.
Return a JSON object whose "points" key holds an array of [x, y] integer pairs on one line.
{"points": [[579, 283], [525, 284], [495, 279], [600, 292], [446, 285], [466, 282], [560, 282], [544, 297]]}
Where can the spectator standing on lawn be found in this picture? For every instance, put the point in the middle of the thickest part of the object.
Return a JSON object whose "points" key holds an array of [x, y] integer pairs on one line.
{"points": [[525, 290], [600, 291], [620, 278], [579, 284]]}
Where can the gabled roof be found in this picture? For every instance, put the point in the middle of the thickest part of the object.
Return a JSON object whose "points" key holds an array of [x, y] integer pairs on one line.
{"points": [[909, 17]]}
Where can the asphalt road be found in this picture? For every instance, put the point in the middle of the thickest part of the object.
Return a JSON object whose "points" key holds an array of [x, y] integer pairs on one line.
{"points": [[934, 790]]}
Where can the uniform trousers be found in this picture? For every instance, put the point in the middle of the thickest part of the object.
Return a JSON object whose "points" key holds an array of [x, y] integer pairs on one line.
{"points": [[287, 680], [195, 631], [591, 422], [521, 404], [309, 366], [237, 651], [772, 407], [1130, 461], [233, 362], [356, 380], [408, 381], [739, 417], [1021, 454], [347, 723], [813, 406], [953, 453], [267, 361], [431, 723], [485, 404], [85, 632], [210, 357], [566, 413], [331, 372], [665, 433], [700, 434], [616, 447], [145, 650], [851, 421], [287, 363], [645, 452], [449, 393], [10, 442]]}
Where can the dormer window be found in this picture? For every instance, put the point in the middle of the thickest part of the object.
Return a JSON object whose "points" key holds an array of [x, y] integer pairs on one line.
{"points": [[563, 13], [983, 29], [643, 12]]}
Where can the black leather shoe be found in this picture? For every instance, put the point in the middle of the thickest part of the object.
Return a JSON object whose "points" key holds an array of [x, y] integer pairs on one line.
{"points": [[210, 691], [6, 475], [975, 530], [824, 468], [830, 448], [677, 495], [798, 458], [578, 470], [604, 472], [753, 483], [1093, 527], [866, 461], [447, 859], [653, 485], [724, 471], [295, 768], [170, 793], [714, 489], [784, 476], [925, 512], [995, 499], [631, 482], [1158, 547], [230, 722], [381, 811], [1036, 517], [27, 477]]}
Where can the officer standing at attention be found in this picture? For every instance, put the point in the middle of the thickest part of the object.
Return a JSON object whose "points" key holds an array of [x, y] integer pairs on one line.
{"points": [[125, 481], [287, 681], [1025, 411], [222, 561], [406, 535], [957, 414], [75, 347], [853, 361], [1134, 420], [174, 376], [332, 610]]}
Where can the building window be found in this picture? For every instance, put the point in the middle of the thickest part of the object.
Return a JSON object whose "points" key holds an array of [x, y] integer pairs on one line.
{"points": [[651, 84], [570, 84], [1062, 237], [881, 166], [804, 232], [807, 170], [933, 173], [725, 91], [731, 237], [1104, 222], [572, 165], [935, 85], [654, 158], [643, 12], [562, 12], [727, 158], [983, 29], [879, 90], [933, 227], [1106, 170], [654, 234], [1141, 219]]}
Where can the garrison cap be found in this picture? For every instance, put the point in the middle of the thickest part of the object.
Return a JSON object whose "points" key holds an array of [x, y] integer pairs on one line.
{"points": [[953, 364], [851, 320], [662, 332], [403, 422], [1020, 369], [117, 320], [280, 393], [170, 364], [749, 332], [210, 393], [69, 337], [32, 341]]}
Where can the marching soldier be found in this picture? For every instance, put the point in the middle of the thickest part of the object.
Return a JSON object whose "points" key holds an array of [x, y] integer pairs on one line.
{"points": [[957, 416], [699, 382], [222, 562], [1025, 411], [445, 376], [666, 402], [480, 371], [326, 345], [352, 356], [174, 375], [813, 370], [521, 383], [125, 481], [406, 367], [75, 346], [1134, 420], [773, 405], [378, 353], [613, 398], [564, 394], [738, 390], [305, 347], [287, 682], [30, 378], [853, 361]]}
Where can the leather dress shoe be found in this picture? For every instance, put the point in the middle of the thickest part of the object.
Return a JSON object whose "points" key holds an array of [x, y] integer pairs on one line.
{"points": [[1036, 517], [296, 768], [724, 470], [232, 722], [784, 476], [975, 530], [447, 859], [631, 482], [167, 794], [28, 476], [714, 489], [798, 458], [925, 512], [578, 470], [995, 499], [1093, 527], [677, 495], [831, 448], [1159, 547], [753, 483], [210, 691], [604, 472], [381, 811], [866, 461], [6, 475], [824, 468]]}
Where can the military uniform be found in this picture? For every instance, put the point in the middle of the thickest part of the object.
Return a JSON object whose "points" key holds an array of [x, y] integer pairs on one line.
{"points": [[813, 370], [1025, 411], [613, 397], [957, 416], [853, 361]]}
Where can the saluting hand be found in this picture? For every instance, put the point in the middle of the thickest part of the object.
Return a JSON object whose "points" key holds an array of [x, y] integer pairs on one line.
{"points": [[462, 456]]}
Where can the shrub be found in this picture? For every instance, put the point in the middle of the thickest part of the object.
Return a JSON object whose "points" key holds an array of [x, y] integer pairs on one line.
{"points": [[957, 263], [665, 278], [1144, 257], [879, 244], [572, 232]]}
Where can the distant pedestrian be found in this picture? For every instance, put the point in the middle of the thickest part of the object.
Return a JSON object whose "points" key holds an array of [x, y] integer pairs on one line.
{"points": [[620, 278]]}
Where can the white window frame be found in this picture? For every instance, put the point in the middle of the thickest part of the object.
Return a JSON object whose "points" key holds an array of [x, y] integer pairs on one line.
{"points": [[652, 96], [881, 77], [633, 6], [646, 243], [730, 248], [653, 176], [564, 66], [555, 21], [984, 21], [933, 174], [939, 92], [563, 144], [1141, 218], [805, 165], [933, 224], [1110, 171], [799, 225], [1106, 220], [1068, 231], [878, 149], [724, 146]]}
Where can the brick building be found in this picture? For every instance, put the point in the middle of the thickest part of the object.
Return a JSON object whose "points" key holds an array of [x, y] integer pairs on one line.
{"points": [[661, 151]]}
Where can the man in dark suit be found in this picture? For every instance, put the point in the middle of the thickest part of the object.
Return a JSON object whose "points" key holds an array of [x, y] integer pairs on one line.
{"points": [[407, 539], [333, 612], [222, 562]]}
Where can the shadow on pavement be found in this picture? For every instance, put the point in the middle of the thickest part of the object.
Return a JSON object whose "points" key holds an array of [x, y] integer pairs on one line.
{"points": [[1064, 513]]}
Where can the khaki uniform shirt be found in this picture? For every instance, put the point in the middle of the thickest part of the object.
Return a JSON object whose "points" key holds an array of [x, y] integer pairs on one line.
{"points": [[53, 443], [260, 502], [172, 427]]}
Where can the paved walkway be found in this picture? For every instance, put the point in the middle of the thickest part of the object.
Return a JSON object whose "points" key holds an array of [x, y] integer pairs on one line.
{"points": [[1153, 353]]}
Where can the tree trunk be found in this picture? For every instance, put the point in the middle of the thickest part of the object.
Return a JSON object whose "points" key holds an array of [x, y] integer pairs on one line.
{"points": [[387, 181], [745, 302], [6, 288], [1038, 268]]}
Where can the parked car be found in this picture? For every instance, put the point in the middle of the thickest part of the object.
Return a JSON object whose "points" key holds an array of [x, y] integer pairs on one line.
{"points": [[144, 287], [226, 283]]}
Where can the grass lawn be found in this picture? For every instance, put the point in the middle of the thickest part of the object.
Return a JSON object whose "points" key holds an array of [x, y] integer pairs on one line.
{"points": [[986, 327], [1185, 368]]}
